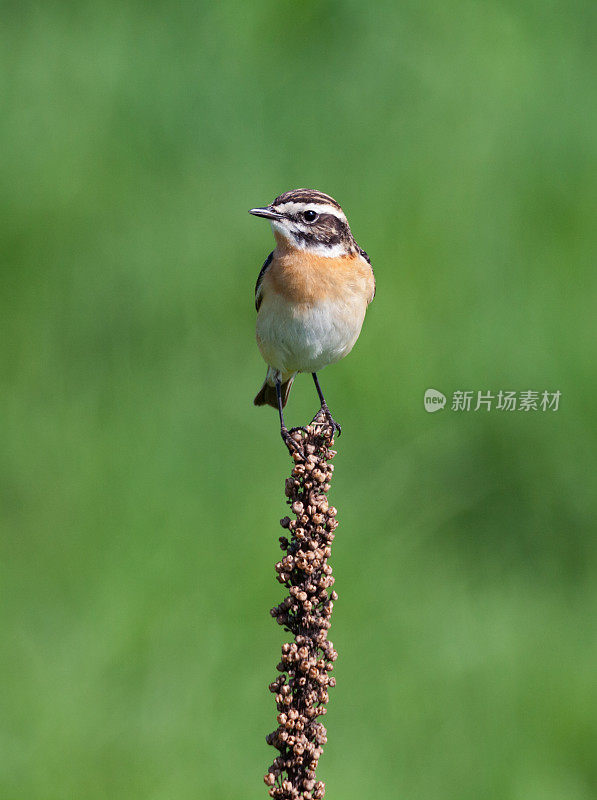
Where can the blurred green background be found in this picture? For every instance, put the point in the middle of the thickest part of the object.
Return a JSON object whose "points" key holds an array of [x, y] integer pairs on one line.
{"points": [[141, 490]]}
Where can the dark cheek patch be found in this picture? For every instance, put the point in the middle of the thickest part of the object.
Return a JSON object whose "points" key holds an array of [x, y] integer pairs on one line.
{"points": [[327, 231], [332, 231]]}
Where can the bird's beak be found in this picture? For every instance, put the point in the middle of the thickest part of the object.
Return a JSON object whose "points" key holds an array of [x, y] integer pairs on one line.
{"points": [[268, 213]]}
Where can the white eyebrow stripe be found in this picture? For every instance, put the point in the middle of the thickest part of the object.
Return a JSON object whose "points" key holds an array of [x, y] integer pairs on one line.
{"points": [[319, 208]]}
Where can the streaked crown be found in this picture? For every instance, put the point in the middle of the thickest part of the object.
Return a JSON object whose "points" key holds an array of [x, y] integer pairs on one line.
{"points": [[310, 220]]}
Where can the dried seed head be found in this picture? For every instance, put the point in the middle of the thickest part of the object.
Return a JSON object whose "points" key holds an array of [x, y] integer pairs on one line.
{"points": [[301, 690]]}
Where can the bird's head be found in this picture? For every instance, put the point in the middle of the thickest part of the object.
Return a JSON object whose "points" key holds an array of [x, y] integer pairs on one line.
{"points": [[309, 220]]}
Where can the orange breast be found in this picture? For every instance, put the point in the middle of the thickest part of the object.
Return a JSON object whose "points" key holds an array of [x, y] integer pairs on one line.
{"points": [[303, 277]]}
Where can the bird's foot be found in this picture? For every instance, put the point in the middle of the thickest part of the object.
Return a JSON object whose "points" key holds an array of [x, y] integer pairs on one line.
{"points": [[299, 428], [324, 414], [291, 439]]}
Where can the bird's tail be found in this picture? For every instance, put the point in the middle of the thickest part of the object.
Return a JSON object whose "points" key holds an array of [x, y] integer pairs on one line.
{"points": [[266, 396]]}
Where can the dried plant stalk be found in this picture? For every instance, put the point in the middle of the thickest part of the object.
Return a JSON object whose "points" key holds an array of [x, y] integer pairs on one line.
{"points": [[301, 689]]}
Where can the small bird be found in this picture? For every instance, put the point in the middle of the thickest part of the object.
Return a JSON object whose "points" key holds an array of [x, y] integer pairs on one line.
{"points": [[311, 295]]}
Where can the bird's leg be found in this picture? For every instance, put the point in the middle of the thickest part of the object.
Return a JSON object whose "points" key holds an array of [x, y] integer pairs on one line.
{"points": [[324, 406], [284, 432]]}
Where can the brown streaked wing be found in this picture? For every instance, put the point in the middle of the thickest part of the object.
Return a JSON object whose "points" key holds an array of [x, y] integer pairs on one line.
{"points": [[266, 264], [368, 260]]}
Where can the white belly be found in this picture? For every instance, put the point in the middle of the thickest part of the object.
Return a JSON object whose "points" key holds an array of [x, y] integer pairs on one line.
{"points": [[307, 337]]}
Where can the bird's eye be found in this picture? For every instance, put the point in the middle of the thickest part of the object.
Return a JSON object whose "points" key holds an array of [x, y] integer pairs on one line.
{"points": [[309, 216]]}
